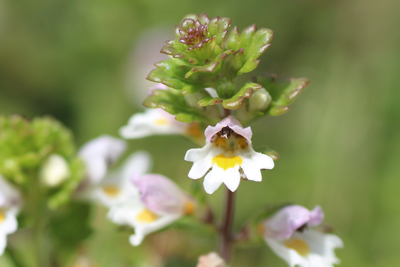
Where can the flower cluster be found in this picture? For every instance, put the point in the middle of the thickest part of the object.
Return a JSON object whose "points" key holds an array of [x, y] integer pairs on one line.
{"points": [[146, 202], [195, 93]]}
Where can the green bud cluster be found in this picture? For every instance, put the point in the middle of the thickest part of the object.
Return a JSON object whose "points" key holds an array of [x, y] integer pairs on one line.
{"points": [[204, 55], [27, 147]]}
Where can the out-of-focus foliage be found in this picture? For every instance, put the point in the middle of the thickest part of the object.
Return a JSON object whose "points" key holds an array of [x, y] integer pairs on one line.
{"points": [[339, 146], [24, 147]]}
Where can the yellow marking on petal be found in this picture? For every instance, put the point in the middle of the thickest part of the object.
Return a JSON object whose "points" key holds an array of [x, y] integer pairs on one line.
{"points": [[146, 216], [226, 162], [299, 245], [2, 216], [111, 190], [161, 121], [189, 208]]}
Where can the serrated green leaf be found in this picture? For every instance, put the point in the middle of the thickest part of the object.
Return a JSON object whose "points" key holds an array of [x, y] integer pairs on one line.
{"points": [[184, 117], [173, 102], [249, 46], [278, 110], [209, 101], [238, 99], [283, 92]]}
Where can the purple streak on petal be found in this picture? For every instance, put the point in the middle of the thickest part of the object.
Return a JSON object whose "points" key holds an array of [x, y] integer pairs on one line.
{"points": [[286, 221], [233, 123], [159, 194], [317, 216]]}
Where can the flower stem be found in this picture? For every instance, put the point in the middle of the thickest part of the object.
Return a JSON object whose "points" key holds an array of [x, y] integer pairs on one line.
{"points": [[226, 227]]}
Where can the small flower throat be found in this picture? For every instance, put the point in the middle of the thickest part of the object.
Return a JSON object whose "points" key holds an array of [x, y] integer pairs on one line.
{"points": [[229, 141]]}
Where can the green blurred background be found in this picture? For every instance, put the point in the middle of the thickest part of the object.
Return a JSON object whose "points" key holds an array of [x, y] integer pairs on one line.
{"points": [[84, 62]]}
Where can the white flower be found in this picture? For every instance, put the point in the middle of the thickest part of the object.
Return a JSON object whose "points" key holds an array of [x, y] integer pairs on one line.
{"points": [[117, 187], [54, 171], [156, 121], [161, 202], [98, 154], [10, 201], [289, 236], [230, 156], [144, 221]]}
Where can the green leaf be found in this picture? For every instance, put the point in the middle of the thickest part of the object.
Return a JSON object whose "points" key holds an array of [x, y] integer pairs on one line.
{"points": [[173, 102], [249, 46], [283, 92], [238, 99]]}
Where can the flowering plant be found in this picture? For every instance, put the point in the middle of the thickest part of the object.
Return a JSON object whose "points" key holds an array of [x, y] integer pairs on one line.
{"points": [[196, 96]]}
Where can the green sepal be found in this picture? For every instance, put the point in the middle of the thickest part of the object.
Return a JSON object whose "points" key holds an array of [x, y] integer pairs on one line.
{"points": [[236, 101], [206, 44], [173, 102], [209, 101], [172, 73], [249, 46], [283, 92]]}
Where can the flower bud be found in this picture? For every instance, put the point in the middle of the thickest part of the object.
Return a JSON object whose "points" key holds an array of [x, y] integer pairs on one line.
{"points": [[211, 260], [260, 100], [54, 171]]}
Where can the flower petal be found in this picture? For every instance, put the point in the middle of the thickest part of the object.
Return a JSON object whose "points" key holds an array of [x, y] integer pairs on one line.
{"points": [[251, 170], [151, 122], [317, 216], [199, 168], [286, 221], [231, 178], [287, 254], [233, 124], [160, 195], [263, 161], [213, 180]]}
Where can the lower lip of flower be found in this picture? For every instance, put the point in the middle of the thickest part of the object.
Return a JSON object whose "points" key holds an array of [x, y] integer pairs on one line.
{"points": [[2, 216], [146, 216], [111, 190], [226, 162], [300, 246]]}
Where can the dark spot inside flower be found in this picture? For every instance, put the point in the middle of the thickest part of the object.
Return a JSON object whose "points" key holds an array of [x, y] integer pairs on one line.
{"points": [[226, 132], [302, 228]]}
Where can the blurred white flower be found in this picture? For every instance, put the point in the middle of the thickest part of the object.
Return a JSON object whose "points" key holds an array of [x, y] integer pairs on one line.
{"points": [[10, 202], [229, 155], [161, 202], [98, 154], [151, 122], [117, 186], [289, 236], [145, 54], [54, 171]]}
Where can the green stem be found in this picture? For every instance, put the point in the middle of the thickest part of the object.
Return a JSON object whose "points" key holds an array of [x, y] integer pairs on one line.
{"points": [[14, 257], [227, 225]]}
